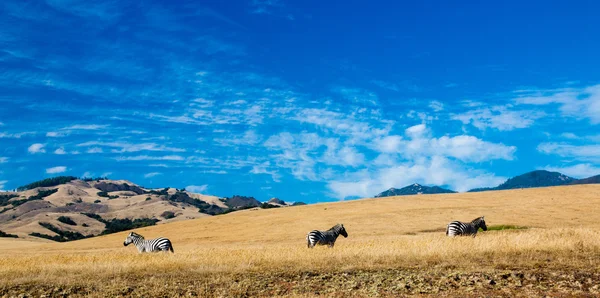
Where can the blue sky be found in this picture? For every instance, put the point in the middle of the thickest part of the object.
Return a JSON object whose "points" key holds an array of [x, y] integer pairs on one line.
{"points": [[302, 100]]}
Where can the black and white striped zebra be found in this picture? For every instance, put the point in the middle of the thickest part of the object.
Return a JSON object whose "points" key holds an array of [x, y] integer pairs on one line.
{"points": [[152, 245], [325, 237], [458, 228]]}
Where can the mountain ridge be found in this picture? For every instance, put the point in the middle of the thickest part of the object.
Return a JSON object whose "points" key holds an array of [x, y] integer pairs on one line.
{"points": [[413, 189]]}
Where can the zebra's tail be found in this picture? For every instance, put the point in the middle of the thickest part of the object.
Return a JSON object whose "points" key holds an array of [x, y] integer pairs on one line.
{"points": [[171, 248], [447, 229], [307, 241]]}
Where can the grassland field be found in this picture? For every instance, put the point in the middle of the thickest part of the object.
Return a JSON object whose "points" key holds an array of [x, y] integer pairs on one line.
{"points": [[542, 241]]}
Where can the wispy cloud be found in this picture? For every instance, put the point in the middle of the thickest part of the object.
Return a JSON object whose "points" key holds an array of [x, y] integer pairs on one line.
{"points": [[3, 185], [56, 170], [577, 152], [151, 174], [583, 170], [502, 118], [197, 188], [264, 169], [3, 159], [122, 147], [147, 157], [36, 148], [85, 127], [579, 103], [60, 151]]}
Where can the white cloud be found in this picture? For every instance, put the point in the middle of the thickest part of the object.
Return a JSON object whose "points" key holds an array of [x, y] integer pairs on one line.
{"points": [[60, 151], [122, 147], [389, 144], [572, 102], [569, 135], [264, 169], [578, 171], [85, 127], [94, 150], [56, 170], [358, 96], [499, 117], [88, 175], [250, 138], [147, 157], [4, 135], [429, 171], [36, 148], [3, 185], [3, 159], [436, 106], [578, 152], [197, 188], [55, 134], [152, 174], [106, 174]]}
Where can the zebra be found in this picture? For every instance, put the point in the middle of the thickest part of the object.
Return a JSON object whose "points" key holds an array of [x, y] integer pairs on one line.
{"points": [[457, 228], [152, 245], [325, 237]]}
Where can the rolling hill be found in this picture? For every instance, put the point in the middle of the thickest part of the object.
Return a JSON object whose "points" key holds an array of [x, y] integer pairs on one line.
{"points": [[66, 208]]}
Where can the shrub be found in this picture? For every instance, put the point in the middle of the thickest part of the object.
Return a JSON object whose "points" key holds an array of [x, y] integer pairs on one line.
{"points": [[3, 234], [67, 220], [268, 206], [148, 198], [4, 199], [97, 201], [62, 235], [168, 214]]}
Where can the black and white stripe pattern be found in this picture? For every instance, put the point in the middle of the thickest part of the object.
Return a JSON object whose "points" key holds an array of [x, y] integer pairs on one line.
{"points": [[325, 237], [457, 228], [152, 245]]}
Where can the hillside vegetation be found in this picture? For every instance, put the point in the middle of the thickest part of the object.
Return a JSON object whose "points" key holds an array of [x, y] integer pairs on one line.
{"points": [[547, 242]]}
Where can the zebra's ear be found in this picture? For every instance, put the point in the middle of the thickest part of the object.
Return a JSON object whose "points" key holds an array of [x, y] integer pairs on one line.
{"points": [[482, 217]]}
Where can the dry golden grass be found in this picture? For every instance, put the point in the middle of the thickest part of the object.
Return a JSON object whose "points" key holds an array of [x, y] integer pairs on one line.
{"points": [[265, 250]]}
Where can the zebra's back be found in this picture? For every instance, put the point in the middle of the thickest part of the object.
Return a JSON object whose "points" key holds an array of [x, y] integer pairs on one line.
{"points": [[158, 244], [458, 228]]}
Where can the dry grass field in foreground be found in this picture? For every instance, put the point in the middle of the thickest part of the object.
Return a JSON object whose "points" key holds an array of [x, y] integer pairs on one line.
{"points": [[396, 246]]}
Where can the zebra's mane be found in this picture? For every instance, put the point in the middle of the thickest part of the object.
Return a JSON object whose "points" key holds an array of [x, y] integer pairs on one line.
{"points": [[478, 220], [134, 234], [336, 227]]}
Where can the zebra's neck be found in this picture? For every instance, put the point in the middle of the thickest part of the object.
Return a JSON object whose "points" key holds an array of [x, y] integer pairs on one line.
{"points": [[139, 242], [476, 222], [336, 230]]}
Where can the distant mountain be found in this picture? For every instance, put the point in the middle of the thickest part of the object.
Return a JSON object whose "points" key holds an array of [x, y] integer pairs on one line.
{"points": [[276, 201], [241, 202], [539, 178], [590, 180], [413, 189]]}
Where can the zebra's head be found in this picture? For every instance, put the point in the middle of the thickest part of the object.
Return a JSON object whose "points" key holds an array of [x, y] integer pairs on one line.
{"points": [[343, 231], [481, 223], [130, 238]]}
